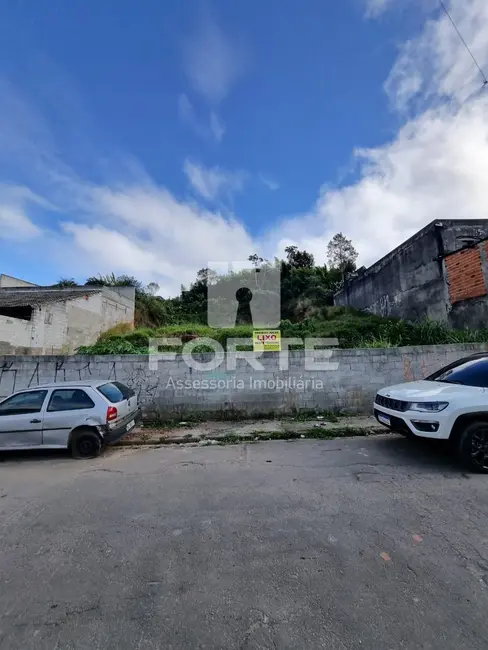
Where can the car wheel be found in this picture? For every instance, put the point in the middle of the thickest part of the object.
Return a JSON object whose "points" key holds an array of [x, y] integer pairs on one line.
{"points": [[85, 443], [473, 446]]}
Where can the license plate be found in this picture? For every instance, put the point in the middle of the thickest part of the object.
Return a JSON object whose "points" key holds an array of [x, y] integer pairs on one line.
{"points": [[384, 419], [131, 425]]}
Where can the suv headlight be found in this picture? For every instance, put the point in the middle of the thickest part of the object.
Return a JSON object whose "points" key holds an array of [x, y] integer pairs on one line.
{"points": [[428, 407]]}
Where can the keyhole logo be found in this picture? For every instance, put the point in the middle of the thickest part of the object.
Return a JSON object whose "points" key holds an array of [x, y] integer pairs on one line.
{"points": [[238, 294]]}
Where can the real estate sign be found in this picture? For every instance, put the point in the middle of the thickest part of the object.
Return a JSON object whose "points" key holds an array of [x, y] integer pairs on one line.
{"points": [[266, 340]]}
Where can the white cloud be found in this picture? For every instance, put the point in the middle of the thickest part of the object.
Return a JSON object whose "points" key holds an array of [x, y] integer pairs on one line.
{"points": [[375, 8], [215, 128], [434, 169], [15, 225], [270, 183], [186, 112], [212, 61], [437, 164], [435, 66], [147, 232], [213, 182], [187, 115]]}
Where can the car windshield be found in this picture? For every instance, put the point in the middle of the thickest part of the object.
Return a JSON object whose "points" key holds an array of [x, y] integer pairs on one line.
{"points": [[470, 373]]}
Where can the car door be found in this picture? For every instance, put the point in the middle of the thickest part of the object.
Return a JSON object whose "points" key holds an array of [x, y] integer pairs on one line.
{"points": [[21, 419], [67, 408]]}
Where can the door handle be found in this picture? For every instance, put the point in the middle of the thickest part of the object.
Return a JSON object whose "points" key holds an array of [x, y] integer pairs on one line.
{"points": [[35, 421]]}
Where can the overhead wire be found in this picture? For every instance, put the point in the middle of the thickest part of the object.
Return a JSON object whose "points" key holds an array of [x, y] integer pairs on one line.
{"points": [[485, 80]]}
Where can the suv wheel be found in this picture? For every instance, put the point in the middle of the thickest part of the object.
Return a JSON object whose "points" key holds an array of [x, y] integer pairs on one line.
{"points": [[85, 443], [473, 446]]}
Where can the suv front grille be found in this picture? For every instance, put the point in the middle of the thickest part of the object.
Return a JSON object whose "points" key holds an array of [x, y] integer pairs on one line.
{"points": [[393, 404]]}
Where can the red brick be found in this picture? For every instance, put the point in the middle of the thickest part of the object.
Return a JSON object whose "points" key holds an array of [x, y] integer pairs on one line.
{"points": [[464, 274]]}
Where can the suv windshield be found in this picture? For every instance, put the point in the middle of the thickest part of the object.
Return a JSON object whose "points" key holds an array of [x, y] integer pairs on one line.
{"points": [[470, 373]]}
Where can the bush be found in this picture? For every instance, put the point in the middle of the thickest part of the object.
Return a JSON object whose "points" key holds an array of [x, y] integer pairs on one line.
{"points": [[117, 330], [140, 337], [112, 346], [352, 329]]}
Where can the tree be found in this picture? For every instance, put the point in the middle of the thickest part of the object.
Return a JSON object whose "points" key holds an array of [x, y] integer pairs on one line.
{"points": [[206, 276], [341, 254], [299, 259], [65, 283], [112, 280], [152, 288], [256, 260], [100, 281]]}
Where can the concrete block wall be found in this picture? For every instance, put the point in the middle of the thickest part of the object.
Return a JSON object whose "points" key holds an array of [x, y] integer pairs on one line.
{"points": [[407, 283], [84, 321], [62, 327], [49, 327], [7, 281], [14, 333], [118, 306], [170, 388], [410, 282]]}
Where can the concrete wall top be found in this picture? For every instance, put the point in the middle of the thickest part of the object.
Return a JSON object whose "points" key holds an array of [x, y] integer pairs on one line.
{"points": [[8, 281], [171, 388]]}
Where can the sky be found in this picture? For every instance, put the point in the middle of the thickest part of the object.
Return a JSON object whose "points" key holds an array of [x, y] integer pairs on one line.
{"points": [[152, 138]]}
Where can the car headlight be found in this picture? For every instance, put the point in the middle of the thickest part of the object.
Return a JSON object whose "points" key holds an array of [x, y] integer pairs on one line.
{"points": [[429, 407]]}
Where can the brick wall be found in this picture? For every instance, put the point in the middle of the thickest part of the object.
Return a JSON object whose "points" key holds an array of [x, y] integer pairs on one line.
{"points": [[465, 275]]}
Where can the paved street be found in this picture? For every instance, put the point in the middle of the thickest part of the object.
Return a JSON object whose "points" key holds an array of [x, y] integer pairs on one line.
{"points": [[376, 543]]}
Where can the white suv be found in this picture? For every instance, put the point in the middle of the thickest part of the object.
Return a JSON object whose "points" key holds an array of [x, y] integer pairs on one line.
{"points": [[451, 404]]}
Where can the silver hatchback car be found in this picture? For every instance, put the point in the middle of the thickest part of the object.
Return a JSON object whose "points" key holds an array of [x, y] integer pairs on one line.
{"points": [[81, 416]]}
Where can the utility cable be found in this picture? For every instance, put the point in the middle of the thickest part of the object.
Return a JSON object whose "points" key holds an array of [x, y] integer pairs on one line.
{"points": [[485, 80]]}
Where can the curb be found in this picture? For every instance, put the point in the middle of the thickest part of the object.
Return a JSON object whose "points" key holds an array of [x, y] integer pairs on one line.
{"points": [[258, 436]]}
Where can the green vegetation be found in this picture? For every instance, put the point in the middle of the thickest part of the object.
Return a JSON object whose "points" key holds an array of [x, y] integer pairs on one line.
{"points": [[306, 308], [352, 329], [255, 436], [306, 289]]}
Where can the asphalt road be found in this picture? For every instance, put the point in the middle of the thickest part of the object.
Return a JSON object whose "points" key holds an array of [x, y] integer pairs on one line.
{"points": [[377, 543]]}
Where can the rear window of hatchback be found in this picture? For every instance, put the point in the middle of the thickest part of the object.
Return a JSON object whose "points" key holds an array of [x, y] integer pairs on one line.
{"points": [[111, 392]]}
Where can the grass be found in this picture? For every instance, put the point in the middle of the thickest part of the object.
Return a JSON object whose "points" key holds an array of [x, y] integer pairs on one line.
{"points": [[188, 420], [314, 433], [352, 329]]}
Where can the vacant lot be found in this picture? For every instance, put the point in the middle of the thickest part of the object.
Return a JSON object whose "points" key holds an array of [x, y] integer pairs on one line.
{"points": [[360, 543]]}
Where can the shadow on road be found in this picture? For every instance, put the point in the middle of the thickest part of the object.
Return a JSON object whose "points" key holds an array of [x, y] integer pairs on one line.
{"points": [[421, 453], [37, 455]]}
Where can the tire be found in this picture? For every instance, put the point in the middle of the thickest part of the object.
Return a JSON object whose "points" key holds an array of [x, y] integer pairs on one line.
{"points": [[473, 447], [85, 443]]}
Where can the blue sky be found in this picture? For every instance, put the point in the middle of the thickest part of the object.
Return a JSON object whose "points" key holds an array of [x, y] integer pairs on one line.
{"points": [[150, 138]]}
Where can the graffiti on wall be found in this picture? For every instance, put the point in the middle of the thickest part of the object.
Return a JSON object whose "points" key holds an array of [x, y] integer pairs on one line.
{"points": [[143, 383], [8, 375], [416, 367], [15, 377], [381, 307]]}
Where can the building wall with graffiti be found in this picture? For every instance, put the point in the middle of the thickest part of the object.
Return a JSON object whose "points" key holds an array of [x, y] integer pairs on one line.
{"points": [[435, 274], [243, 384]]}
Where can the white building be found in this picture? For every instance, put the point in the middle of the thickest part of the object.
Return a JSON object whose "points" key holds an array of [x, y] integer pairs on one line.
{"points": [[44, 320]]}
